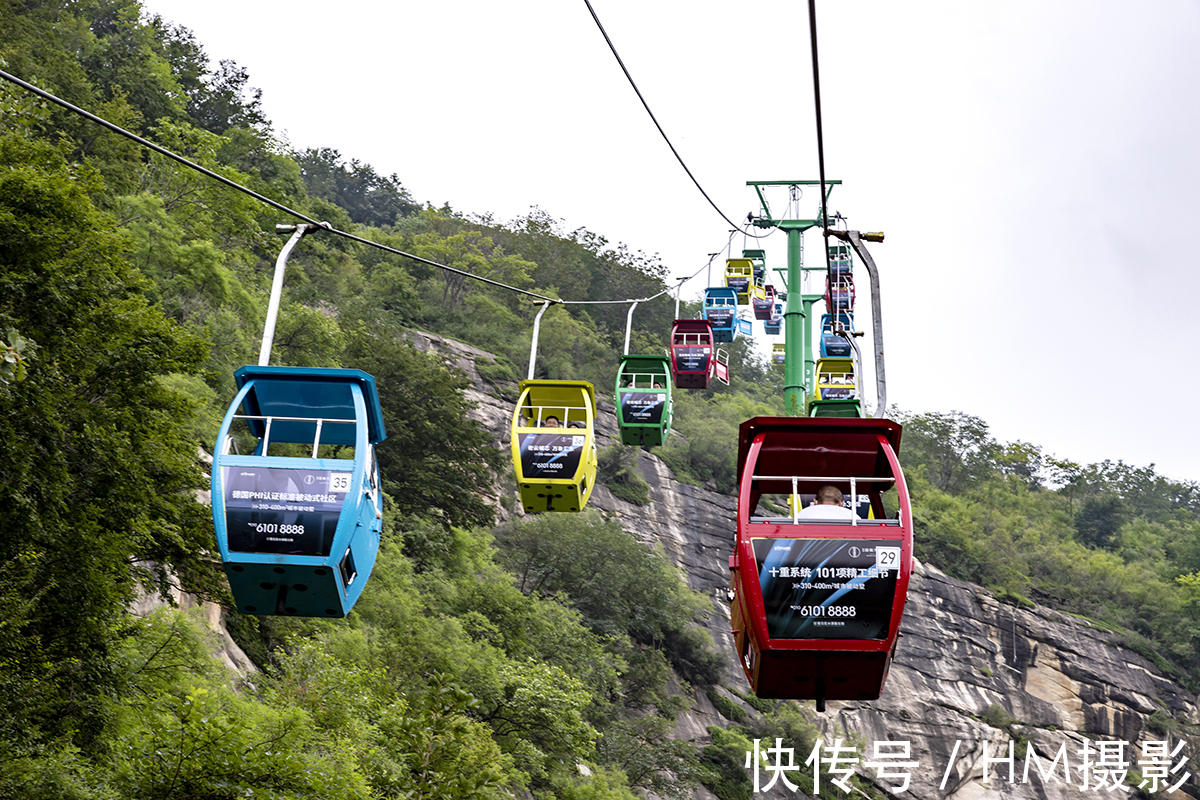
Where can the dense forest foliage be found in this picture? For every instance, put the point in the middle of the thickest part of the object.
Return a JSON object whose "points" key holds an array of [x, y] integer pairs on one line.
{"points": [[483, 659]]}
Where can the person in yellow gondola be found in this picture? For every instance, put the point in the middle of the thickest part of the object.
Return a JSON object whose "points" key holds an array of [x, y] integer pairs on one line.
{"points": [[551, 422], [828, 506]]}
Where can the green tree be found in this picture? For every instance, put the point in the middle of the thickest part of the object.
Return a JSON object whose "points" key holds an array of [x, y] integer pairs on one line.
{"points": [[97, 473], [619, 586], [120, 57], [1099, 519], [956, 449], [435, 461], [369, 198]]}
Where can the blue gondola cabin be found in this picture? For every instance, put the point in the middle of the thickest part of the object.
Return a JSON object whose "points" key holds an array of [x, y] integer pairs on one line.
{"points": [[774, 325], [554, 444], [834, 345], [720, 310], [298, 517]]}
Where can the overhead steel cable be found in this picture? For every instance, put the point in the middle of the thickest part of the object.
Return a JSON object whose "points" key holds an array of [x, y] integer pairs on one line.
{"points": [[654, 119], [235, 185], [325, 226], [812, 28]]}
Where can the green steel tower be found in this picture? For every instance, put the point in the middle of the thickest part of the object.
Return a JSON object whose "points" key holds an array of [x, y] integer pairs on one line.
{"points": [[798, 362]]}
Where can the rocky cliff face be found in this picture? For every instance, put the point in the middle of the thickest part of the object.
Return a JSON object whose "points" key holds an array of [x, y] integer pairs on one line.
{"points": [[971, 674]]}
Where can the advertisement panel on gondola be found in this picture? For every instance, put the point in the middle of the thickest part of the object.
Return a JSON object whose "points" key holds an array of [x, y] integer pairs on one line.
{"points": [[692, 359], [846, 392], [827, 588], [642, 408], [835, 346], [720, 317], [282, 510], [550, 455]]}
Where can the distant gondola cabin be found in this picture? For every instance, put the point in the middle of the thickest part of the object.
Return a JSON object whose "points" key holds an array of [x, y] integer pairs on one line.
{"points": [[839, 295], [295, 489], [819, 590], [758, 261], [695, 359], [765, 305], [644, 405], [720, 310], [836, 392], [554, 445], [739, 276], [834, 345], [774, 325], [840, 263]]}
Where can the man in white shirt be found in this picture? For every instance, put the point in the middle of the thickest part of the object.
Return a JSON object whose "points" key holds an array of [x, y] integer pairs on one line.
{"points": [[828, 506]]}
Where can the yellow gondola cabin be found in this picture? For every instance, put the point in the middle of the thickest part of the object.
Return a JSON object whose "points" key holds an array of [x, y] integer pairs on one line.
{"points": [[554, 444]]}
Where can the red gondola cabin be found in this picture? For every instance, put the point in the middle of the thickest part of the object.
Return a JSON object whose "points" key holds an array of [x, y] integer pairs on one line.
{"points": [[695, 359], [817, 602], [765, 305]]}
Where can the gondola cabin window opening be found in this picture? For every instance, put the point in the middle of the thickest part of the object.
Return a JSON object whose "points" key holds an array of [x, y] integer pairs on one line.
{"points": [[692, 339], [642, 380], [554, 417], [861, 494], [242, 437]]}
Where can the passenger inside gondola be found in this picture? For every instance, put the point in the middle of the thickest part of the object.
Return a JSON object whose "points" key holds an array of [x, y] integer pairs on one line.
{"points": [[551, 422], [829, 504]]}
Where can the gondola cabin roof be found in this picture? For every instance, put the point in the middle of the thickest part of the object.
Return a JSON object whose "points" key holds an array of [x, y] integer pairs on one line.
{"points": [[645, 363], [720, 296], [827, 446], [309, 392], [741, 267], [685, 327], [559, 393], [827, 367]]}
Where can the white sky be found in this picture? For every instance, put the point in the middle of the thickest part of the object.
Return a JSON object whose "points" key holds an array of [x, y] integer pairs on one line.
{"points": [[1033, 164]]}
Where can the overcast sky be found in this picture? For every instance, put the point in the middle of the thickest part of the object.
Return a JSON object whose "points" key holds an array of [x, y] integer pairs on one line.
{"points": [[1034, 165]]}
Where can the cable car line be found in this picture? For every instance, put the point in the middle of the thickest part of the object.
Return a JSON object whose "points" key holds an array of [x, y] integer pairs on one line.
{"points": [[654, 119], [812, 28], [157, 148], [325, 226], [261, 198]]}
